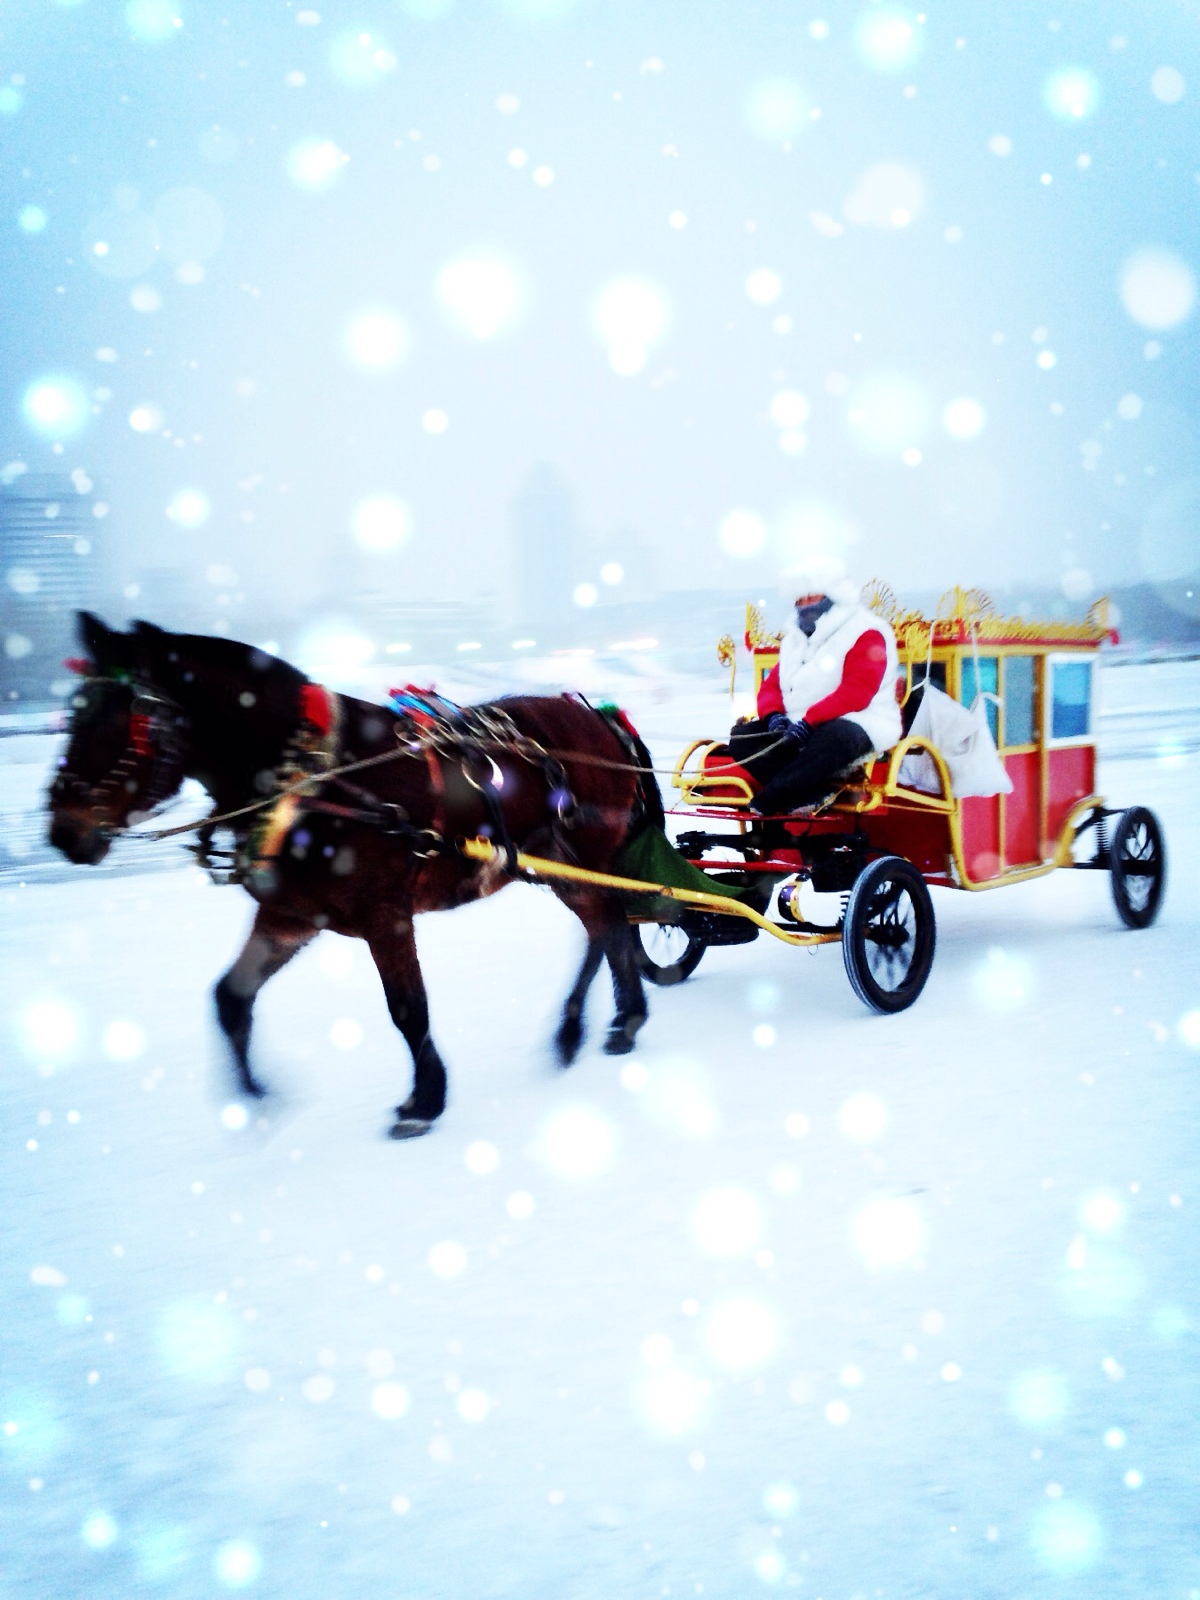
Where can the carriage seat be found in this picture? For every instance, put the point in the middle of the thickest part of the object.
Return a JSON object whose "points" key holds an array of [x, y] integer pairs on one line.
{"points": [[723, 781], [718, 780]]}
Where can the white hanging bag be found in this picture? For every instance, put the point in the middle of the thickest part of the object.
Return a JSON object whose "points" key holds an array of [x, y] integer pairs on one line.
{"points": [[963, 738]]}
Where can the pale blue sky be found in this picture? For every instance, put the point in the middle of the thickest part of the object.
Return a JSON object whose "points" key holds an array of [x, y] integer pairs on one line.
{"points": [[921, 258]]}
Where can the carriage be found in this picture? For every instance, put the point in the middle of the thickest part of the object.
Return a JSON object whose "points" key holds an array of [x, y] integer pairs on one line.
{"points": [[857, 869]]}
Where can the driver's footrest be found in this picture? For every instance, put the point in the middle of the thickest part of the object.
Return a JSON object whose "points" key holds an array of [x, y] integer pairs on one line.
{"points": [[714, 928]]}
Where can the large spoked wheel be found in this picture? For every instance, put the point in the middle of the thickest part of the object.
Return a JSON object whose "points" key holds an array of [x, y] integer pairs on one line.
{"points": [[1137, 859], [667, 954], [888, 934]]}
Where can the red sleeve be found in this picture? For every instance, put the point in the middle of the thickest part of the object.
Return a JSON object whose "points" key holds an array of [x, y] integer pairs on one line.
{"points": [[862, 673], [770, 695]]}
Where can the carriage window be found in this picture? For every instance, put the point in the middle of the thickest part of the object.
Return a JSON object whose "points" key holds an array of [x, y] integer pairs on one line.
{"points": [[1018, 700], [989, 680], [1071, 699], [937, 675]]}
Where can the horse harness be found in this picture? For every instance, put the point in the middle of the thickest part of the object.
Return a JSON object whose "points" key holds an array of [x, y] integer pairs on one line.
{"points": [[156, 733], [440, 733]]}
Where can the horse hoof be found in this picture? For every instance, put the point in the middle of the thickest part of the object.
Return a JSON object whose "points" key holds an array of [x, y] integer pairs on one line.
{"points": [[409, 1128], [618, 1043], [567, 1042]]}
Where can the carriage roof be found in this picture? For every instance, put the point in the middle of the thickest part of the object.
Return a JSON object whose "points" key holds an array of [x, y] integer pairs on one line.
{"points": [[964, 620]]}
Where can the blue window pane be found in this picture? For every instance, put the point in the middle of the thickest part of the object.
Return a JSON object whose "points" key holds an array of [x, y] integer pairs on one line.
{"points": [[1070, 710], [988, 679], [1018, 700]]}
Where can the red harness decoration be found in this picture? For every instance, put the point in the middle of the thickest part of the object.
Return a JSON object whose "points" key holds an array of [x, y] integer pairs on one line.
{"points": [[139, 735], [623, 719], [316, 706]]}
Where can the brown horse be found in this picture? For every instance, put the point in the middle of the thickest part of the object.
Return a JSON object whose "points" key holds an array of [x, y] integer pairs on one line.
{"points": [[367, 853]]}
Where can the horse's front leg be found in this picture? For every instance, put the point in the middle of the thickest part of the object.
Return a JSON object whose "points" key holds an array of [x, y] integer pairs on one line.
{"points": [[272, 943], [394, 951], [570, 1030]]}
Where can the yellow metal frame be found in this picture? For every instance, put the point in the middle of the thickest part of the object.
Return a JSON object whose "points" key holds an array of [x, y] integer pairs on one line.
{"points": [[692, 786], [541, 867]]}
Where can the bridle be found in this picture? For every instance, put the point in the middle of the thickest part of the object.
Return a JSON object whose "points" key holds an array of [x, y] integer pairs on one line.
{"points": [[156, 729]]}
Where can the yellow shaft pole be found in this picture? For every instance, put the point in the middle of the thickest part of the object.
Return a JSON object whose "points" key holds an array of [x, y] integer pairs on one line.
{"points": [[541, 867]]}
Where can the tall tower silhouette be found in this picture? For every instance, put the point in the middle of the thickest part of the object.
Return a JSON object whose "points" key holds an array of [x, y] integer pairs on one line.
{"points": [[545, 534]]}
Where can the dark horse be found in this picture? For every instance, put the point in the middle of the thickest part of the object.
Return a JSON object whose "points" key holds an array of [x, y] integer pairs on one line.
{"points": [[365, 856]]}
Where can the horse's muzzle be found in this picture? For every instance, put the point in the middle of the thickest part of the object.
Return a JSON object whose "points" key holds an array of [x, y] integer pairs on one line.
{"points": [[81, 842]]}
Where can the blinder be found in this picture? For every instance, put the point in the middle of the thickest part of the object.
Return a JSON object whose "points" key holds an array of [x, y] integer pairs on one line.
{"points": [[155, 735]]}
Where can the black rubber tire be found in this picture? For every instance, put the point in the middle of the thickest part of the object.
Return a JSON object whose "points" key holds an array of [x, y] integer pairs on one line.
{"points": [[1137, 860], [667, 954], [889, 910]]}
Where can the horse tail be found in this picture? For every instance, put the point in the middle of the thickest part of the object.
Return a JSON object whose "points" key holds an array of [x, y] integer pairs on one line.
{"points": [[649, 794]]}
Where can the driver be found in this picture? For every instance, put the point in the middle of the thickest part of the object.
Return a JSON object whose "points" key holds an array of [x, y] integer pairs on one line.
{"points": [[829, 701]]}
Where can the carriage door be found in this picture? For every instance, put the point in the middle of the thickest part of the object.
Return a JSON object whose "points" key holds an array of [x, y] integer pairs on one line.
{"points": [[1070, 760], [1020, 749]]}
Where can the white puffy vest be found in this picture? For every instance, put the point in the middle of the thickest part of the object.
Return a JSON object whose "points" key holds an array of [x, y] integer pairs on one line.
{"points": [[810, 669]]}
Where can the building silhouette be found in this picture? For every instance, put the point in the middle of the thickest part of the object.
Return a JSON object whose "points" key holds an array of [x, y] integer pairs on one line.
{"points": [[47, 534]]}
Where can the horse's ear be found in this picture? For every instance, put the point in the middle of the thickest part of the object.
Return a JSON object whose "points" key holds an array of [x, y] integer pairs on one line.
{"points": [[146, 645], [148, 635]]}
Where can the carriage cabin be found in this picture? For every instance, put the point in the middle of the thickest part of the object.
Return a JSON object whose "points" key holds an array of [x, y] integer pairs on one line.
{"points": [[1042, 680]]}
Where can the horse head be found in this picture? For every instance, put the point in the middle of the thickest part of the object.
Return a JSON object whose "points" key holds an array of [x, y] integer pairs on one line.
{"points": [[126, 743]]}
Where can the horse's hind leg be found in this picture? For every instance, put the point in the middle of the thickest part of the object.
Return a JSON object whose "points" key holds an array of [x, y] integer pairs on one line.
{"points": [[609, 934], [271, 945], [628, 993], [394, 951]]}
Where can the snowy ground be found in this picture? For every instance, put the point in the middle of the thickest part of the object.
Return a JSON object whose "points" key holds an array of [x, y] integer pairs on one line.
{"points": [[937, 1335]]}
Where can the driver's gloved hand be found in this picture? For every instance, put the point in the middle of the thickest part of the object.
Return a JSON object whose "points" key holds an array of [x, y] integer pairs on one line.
{"points": [[798, 732]]}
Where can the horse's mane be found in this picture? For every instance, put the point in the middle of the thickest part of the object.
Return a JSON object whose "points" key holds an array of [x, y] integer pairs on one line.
{"points": [[193, 665]]}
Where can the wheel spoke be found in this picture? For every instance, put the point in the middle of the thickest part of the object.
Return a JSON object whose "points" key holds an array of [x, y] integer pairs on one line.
{"points": [[1138, 862], [890, 936], [664, 943]]}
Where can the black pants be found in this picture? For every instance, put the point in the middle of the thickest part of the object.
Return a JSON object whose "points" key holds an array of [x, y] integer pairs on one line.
{"points": [[796, 776]]}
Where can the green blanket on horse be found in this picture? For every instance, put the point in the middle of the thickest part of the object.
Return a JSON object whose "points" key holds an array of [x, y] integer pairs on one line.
{"points": [[651, 857]]}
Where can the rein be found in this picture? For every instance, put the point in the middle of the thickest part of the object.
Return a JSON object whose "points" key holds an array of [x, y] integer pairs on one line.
{"points": [[492, 731]]}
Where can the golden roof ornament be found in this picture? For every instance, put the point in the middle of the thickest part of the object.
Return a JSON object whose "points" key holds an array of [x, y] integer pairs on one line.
{"points": [[877, 597], [727, 656]]}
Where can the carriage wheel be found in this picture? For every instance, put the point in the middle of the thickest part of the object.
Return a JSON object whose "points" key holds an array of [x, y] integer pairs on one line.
{"points": [[1137, 859], [889, 934], [667, 953]]}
